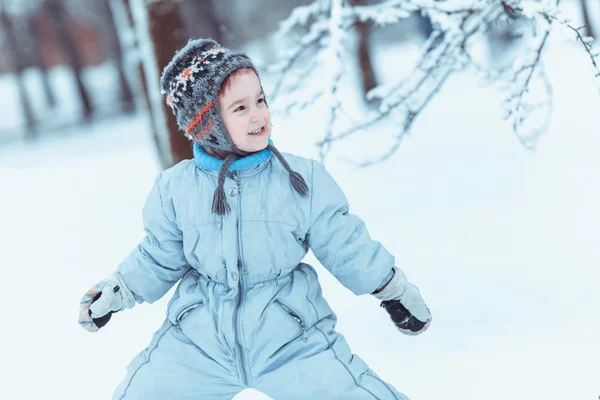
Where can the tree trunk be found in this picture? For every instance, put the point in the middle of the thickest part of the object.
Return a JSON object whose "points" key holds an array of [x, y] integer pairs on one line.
{"points": [[168, 36], [38, 60], [126, 93], [122, 12], [364, 53], [586, 18], [364, 57], [58, 14], [200, 19], [160, 34], [19, 65]]}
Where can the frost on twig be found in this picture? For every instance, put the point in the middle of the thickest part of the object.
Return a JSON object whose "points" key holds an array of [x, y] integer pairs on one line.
{"points": [[322, 30]]}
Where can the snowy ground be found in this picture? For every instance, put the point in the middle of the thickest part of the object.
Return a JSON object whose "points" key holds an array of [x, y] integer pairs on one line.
{"points": [[501, 241]]}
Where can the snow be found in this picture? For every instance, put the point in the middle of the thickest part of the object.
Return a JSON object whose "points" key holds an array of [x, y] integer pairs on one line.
{"points": [[501, 242]]}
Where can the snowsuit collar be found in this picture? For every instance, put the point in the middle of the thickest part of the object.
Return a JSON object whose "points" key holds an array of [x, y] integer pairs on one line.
{"points": [[245, 165], [248, 165]]}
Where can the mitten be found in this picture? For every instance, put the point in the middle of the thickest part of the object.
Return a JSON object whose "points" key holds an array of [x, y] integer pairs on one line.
{"points": [[102, 300], [404, 304]]}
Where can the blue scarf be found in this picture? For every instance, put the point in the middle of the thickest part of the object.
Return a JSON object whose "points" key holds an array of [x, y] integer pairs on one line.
{"points": [[207, 162]]}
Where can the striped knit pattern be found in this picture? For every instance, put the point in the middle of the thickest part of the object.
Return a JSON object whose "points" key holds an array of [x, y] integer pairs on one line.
{"points": [[191, 83]]}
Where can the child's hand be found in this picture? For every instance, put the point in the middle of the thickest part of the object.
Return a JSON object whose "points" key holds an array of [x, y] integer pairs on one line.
{"points": [[101, 301], [403, 302]]}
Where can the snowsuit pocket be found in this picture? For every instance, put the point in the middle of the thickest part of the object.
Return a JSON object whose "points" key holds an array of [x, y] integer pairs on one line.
{"points": [[199, 325], [294, 315], [184, 312]]}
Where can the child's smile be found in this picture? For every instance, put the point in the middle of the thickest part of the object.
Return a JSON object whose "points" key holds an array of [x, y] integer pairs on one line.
{"points": [[258, 132]]}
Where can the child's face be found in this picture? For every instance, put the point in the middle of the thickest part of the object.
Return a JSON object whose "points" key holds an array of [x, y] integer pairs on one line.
{"points": [[243, 110]]}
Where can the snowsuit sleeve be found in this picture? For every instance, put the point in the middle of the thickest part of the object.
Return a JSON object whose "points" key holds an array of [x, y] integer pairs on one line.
{"points": [[158, 262], [340, 240]]}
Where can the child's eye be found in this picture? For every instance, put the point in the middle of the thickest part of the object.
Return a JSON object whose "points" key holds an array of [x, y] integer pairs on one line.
{"points": [[240, 108], [261, 100]]}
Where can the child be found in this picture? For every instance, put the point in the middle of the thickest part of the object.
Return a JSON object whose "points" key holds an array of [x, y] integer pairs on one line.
{"points": [[247, 312]]}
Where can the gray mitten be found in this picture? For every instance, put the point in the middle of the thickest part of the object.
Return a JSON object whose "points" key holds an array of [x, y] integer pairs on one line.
{"points": [[102, 300], [403, 302]]}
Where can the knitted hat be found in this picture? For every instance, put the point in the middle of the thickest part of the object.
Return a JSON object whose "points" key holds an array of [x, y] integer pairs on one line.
{"points": [[192, 82]]}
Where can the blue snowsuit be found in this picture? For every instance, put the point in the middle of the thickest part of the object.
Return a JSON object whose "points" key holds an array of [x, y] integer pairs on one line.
{"points": [[247, 312]]}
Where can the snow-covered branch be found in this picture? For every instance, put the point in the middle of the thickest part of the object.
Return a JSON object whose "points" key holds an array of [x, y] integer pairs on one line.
{"points": [[586, 41], [323, 28]]}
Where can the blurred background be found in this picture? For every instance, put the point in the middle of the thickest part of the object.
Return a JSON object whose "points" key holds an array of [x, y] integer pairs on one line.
{"points": [[71, 63], [500, 237]]}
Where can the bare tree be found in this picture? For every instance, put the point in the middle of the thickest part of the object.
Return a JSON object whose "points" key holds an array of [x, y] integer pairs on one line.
{"points": [[585, 11], [201, 19], [115, 48], [38, 59], [363, 28], [322, 27], [124, 21], [19, 64], [160, 34], [57, 11]]}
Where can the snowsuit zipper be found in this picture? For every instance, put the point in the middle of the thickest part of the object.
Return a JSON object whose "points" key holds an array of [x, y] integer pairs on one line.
{"points": [[237, 319]]}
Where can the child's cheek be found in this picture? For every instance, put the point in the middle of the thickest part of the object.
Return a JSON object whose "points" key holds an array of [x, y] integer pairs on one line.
{"points": [[239, 130], [242, 128]]}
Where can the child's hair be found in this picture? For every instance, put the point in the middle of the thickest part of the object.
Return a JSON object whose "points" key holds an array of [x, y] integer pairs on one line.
{"points": [[226, 85]]}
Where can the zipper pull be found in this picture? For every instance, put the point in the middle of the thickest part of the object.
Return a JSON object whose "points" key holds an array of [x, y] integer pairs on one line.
{"points": [[304, 334]]}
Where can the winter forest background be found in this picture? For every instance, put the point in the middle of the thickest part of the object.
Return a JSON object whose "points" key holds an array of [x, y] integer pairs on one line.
{"points": [[464, 132]]}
